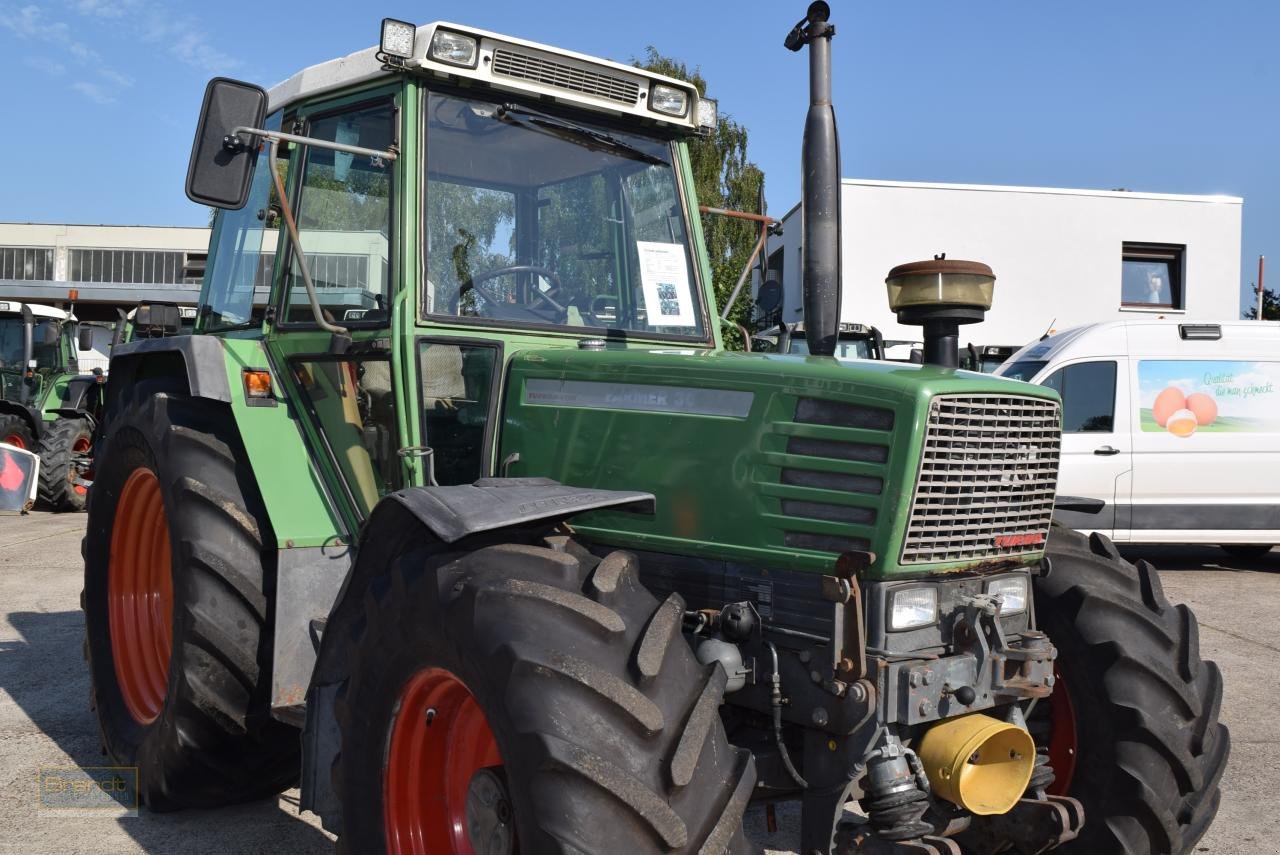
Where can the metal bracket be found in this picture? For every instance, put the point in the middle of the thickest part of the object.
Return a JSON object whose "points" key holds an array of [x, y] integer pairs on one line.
{"points": [[1033, 826]]}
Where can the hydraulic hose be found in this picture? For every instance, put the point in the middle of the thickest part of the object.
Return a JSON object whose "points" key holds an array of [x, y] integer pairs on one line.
{"points": [[775, 701]]}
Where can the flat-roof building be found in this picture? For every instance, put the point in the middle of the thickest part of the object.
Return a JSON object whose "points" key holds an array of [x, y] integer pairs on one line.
{"points": [[1062, 257]]}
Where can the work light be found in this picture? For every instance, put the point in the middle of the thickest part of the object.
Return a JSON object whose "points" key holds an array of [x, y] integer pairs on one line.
{"points": [[398, 38], [913, 607], [453, 48], [707, 108], [668, 99]]}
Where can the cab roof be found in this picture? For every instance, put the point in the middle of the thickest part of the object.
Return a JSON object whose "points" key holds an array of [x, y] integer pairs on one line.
{"points": [[535, 69], [15, 307]]}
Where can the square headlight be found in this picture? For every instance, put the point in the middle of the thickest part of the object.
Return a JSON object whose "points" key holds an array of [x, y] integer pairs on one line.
{"points": [[1012, 591], [454, 48], [669, 100], [913, 607]]}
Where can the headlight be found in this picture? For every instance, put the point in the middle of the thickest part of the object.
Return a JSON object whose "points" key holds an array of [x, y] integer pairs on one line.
{"points": [[912, 607], [1012, 592], [668, 99], [453, 48]]}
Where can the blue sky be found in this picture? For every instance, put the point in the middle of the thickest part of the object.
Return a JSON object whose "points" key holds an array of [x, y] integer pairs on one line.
{"points": [[100, 96]]}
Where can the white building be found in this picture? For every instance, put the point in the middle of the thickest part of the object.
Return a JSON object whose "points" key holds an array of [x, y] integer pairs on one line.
{"points": [[1061, 257]]}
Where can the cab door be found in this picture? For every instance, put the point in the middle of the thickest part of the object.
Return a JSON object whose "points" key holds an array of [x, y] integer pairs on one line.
{"points": [[1097, 453]]}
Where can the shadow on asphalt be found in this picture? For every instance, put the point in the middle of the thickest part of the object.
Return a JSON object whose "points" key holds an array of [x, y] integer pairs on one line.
{"points": [[1181, 557], [46, 676]]}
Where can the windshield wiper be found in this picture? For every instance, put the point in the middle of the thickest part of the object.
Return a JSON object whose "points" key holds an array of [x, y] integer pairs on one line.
{"points": [[572, 132]]}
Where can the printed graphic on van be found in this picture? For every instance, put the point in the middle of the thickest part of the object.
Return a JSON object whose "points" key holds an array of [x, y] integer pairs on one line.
{"points": [[1185, 396]]}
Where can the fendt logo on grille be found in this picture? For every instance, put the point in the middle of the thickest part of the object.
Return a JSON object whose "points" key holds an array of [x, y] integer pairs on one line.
{"points": [[1029, 539]]}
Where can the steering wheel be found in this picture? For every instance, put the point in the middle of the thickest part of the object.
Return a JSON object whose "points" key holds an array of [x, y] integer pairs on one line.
{"points": [[494, 300]]}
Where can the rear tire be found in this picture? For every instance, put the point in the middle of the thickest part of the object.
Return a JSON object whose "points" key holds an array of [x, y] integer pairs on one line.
{"points": [[15, 431], [62, 443], [1246, 550], [1149, 748], [209, 739], [606, 726]]}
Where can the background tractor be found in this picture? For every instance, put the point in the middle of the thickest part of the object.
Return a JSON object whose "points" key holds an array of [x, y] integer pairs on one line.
{"points": [[478, 533], [46, 405]]}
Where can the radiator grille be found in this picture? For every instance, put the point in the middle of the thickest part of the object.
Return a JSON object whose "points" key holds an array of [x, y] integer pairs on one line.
{"points": [[987, 478], [564, 76]]}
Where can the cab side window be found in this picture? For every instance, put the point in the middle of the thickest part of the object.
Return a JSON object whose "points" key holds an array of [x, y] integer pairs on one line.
{"points": [[1088, 391]]}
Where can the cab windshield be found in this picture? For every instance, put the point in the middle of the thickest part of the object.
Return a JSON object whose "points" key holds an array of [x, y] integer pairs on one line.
{"points": [[537, 220], [46, 355]]}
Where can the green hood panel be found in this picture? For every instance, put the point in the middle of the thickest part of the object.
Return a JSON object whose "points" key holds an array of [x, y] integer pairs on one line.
{"points": [[782, 461]]}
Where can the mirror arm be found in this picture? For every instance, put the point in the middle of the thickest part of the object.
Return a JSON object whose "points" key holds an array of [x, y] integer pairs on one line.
{"points": [[236, 141], [286, 210]]}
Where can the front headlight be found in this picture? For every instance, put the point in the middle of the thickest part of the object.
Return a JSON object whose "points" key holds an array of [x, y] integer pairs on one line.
{"points": [[453, 48], [1012, 592], [913, 607], [668, 99]]}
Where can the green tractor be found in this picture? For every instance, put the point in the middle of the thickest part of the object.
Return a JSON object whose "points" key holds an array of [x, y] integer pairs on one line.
{"points": [[46, 405], [478, 533]]}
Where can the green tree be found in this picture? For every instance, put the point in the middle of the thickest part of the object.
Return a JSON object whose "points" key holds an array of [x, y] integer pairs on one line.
{"points": [[723, 177], [1270, 306]]}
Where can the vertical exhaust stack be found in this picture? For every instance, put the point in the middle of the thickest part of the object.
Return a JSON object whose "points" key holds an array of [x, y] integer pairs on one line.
{"points": [[820, 194]]}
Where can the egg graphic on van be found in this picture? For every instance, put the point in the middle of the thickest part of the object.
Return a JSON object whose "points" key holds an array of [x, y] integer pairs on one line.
{"points": [[1166, 404], [1204, 407], [1182, 423]]}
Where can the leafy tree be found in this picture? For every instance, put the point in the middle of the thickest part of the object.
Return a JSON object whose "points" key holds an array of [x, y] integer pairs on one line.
{"points": [[723, 178], [1270, 306]]}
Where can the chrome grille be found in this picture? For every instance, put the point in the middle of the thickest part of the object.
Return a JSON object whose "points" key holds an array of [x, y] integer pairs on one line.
{"points": [[561, 75], [987, 477]]}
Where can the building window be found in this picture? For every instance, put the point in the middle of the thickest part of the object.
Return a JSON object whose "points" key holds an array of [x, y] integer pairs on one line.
{"points": [[128, 266], [26, 263], [1152, 276]]}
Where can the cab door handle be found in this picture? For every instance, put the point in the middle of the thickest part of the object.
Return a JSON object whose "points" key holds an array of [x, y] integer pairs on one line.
{"points": [[1106, 451]]}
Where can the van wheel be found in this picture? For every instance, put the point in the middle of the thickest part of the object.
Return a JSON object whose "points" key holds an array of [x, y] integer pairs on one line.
{"points": [[1246, 550]]}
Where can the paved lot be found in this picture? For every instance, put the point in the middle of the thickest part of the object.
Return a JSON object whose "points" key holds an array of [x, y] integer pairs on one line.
{"points": [[45, 720]]}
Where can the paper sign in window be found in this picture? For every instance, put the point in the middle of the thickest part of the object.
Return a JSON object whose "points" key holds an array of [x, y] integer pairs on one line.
{"points": [[664, 279]]}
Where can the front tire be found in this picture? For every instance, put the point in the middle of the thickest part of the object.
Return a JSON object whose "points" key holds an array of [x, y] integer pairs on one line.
{"points": [[565, 690], [1135, 708], [64, 443], [177, 585]]}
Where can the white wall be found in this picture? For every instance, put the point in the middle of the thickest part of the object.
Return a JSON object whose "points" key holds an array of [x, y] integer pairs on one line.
{"points": [[1056, 253]]}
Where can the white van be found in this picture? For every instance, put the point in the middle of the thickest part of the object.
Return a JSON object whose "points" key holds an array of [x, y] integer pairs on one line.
{"points": [[1171, 429]]}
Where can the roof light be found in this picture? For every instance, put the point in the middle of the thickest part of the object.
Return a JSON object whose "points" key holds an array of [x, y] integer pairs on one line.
{"points": [[398, 38], [6, 307], [1200, 332], [669, 100], [453, 48], [707, 108]]}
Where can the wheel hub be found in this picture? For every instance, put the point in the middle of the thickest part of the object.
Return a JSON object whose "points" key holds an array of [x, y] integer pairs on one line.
{"points": [[442, 794], [140, 596]]}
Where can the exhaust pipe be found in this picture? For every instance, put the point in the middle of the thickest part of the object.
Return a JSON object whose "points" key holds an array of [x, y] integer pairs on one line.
{"points": [[28, 352], [820, 182], [978, 762]]}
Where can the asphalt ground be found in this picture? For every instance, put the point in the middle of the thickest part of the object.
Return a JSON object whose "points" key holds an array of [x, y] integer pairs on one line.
{"points": [[45, 722]]}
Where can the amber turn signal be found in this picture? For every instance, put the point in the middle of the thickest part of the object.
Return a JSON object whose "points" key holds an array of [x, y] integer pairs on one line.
{"points": [[257, 383]]}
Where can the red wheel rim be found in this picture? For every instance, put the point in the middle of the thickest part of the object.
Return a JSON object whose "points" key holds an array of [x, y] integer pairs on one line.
{"points": [[439, 740], [140, 596], [16, 441], [1062, 735], [80, 446]]}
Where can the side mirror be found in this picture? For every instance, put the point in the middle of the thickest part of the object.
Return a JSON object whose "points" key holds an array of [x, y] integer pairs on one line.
{"points": [[49, 334], [84, 338], [221, 169]]}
